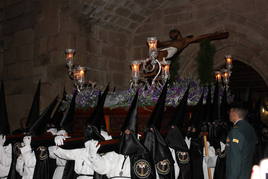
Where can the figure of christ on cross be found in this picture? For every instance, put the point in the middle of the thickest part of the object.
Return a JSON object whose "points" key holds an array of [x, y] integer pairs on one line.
{"points": [[177, 43]]}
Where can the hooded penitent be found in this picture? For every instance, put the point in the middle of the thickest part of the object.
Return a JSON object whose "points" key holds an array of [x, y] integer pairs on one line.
{"points": [[224, 107], [93, 128], [4, 125], [141, 164], [42, 166], [39, 126], [180, 111], [196, 147], [156, 144], [35, 108], [197, 116], [68, 117], [175, 139], [214, 125], [59, 112]]}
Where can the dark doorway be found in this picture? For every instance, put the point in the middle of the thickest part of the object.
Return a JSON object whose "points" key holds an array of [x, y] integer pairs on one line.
{"points": [[245, 80]]}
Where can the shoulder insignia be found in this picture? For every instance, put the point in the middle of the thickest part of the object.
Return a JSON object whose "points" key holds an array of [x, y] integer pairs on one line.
{"points": [[163, 167], [236, 141], [183, 157], [142, 168], [235, 127], [43, 154]]}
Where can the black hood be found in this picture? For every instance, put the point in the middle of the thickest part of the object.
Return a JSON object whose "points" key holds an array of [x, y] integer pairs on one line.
{"points": [[175, 139], [39, 127], [68, 117], [215, 106], [158, 112], [4, 125], [96, 120], [153, 141], [208, 112], [129, 144], [224, 107], [198, 112], [35, 108], [59, 112], [180, 111]]}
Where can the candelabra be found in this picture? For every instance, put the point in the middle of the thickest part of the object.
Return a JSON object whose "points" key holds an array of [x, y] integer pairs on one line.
{"points": [[77, 73], [224, 74], [148, 71]]}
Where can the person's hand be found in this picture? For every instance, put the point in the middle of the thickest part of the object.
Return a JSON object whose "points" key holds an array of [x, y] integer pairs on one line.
{"points": [[2, 140], [27, 140], [59, 140], [92, 147], [62, 133], [53, 131]]}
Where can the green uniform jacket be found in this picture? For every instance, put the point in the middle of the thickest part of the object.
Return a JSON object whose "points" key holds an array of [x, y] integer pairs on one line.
{"points": [[240, 148]]}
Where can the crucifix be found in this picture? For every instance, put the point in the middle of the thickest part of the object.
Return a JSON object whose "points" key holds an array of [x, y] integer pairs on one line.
{"points": [[177, 43]]}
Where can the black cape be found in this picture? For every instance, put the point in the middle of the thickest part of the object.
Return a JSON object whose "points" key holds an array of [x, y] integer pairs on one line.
{"points": [[41, 170]]}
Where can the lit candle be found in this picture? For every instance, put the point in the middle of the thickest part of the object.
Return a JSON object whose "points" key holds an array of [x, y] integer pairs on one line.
{"points": [[135, 66], [152, 43], [225, 73], [165, 69], [218, 75], [69, 55], [229, 62], [80, 75]]}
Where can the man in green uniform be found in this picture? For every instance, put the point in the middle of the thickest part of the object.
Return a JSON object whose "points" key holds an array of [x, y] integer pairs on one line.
{"points": [[240, 145]]}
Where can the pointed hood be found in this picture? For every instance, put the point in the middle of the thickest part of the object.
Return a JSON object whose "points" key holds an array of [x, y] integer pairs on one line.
{"points": [[215, 106], [129, 144], [208, 114], [97, 116], [158, 112], [68, 117], [4, 125], [130, 121], [180, 111], [198, 112], [96, 120], [224, 106], [59, 113], [35, 108], [39, 127], [153, 141]]}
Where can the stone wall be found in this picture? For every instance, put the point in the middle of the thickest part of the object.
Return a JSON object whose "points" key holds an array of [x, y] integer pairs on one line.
{"points": [[34, 36]]}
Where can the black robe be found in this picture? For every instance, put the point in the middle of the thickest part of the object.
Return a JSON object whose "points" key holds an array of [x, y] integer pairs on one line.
{"points": [[41, 170], [196, 155], [69, 172], [220, 169]]}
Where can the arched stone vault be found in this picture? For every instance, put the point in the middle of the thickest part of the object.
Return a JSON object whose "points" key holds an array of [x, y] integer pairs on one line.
{"points": [[108, 34]]}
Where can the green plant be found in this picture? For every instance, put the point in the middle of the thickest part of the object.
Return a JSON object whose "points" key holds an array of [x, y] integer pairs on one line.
{"points": [[204, 61]]}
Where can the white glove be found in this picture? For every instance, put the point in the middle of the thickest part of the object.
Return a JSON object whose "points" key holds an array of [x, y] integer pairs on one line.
{"points": [[2, 139], [92, 147], [59, 140], [62, 133], [27, 140], [53, 131]]}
